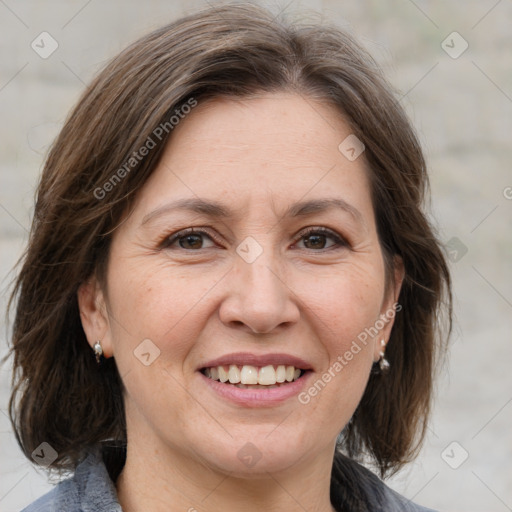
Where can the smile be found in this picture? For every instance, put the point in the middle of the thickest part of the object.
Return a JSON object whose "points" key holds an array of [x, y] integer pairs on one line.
{"points": [[250, 376]]}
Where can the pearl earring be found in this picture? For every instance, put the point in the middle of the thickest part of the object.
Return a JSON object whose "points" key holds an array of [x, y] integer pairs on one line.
{"points": [[383, 362], [98, 351]]}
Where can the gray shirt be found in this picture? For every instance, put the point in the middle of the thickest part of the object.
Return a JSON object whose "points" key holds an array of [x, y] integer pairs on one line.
{"points": [[92, 490]]}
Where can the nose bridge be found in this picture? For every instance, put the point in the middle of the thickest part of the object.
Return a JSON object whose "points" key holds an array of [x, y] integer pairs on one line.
{"points": [[258, 296], [262, 277], [259, 270], [257, 260]]}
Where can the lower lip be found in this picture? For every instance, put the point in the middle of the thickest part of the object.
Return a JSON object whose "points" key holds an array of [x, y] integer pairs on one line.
{"points": [[258, 397]]}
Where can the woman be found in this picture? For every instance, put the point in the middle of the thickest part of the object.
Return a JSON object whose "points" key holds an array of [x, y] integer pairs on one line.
{"points": [[230, 288]]}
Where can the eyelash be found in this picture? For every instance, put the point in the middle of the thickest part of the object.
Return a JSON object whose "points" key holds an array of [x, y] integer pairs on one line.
{"points": [[340, 242]]}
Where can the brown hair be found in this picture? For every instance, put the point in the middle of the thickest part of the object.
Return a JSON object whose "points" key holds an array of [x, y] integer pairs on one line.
{"points": [[60, 394]]}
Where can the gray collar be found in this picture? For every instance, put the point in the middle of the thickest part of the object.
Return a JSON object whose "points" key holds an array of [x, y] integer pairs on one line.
{"points": [[89, 490]]}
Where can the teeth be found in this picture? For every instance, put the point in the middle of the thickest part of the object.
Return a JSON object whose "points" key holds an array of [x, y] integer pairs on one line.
{"points": [[251, 376], [280, 373], [223, 374], [234, 374], [267, 376]]}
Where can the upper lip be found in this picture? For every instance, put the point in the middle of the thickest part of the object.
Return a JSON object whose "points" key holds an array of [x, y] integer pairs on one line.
{"points": [[245, 358]]}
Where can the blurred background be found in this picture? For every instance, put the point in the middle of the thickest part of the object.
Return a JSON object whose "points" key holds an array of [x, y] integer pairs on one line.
{"points": [[451, 63]]}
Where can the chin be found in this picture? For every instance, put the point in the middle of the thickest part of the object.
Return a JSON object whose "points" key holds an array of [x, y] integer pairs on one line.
{"points": [[254, 463], [253, 456]]}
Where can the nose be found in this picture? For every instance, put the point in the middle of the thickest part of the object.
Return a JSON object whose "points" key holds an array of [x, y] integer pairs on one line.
{"points": [[258, 298]]}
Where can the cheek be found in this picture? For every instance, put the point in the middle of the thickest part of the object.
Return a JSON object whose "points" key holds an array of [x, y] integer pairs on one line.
{"points": [[158, 303], [344, 304], [342, 309]]}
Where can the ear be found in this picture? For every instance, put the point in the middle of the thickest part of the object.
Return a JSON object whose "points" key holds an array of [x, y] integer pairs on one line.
{"points": [[390, 307], [93, 314]]}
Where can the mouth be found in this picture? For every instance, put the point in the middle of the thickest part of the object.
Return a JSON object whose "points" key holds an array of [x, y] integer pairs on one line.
{"points": [[256, 380], [250, 376]]}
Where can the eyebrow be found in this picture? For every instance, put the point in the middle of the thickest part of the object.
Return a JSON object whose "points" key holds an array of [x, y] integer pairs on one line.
{"points": [[196, 205], [217, 210], [320, 205]]}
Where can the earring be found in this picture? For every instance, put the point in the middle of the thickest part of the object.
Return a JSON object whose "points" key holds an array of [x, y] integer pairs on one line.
{"points": [[383, 362], [98, 351]]}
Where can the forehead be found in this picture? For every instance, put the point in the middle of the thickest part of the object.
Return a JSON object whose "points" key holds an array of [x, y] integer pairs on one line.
{"points": [[271, 148]]}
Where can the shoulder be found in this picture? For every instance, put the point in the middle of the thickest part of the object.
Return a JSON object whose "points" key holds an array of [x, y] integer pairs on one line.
{"points": [[391, 500], [353, 485], [400, 503], [89, 490], [61, 496]]}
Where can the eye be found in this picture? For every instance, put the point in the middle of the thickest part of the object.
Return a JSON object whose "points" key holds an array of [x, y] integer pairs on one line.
{"points": [[317, 238], [188, 239]]}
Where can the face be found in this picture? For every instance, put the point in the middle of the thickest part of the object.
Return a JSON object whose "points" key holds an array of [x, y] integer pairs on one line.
{"points": [[251, 253]]}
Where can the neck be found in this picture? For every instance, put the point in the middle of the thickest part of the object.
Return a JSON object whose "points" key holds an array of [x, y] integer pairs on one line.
{"points": [[157, 480]]}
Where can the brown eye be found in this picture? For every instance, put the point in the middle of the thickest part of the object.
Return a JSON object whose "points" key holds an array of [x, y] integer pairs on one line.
{"points": [[321, 238], [191, 242], [189, 239], [315, 241]]}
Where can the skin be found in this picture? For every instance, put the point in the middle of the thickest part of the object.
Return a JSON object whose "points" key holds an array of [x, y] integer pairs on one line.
{"points": [[304, 296]]}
